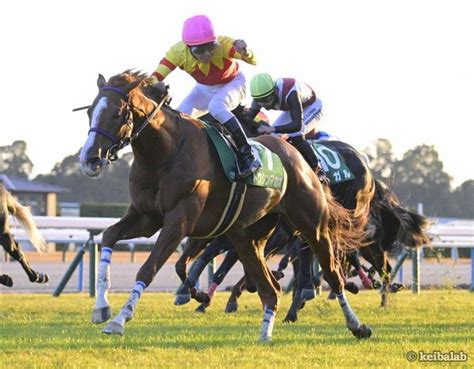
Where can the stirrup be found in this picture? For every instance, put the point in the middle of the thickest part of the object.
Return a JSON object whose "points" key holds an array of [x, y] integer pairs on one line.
{"points": [[248, 165], [249, 170]]}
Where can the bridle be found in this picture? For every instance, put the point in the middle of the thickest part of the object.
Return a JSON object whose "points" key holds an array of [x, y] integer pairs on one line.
{"points": [[119, 143]]}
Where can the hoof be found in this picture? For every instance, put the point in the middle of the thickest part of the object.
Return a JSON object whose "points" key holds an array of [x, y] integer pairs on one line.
{"points": [[376, 284], [231, 307], [251, 287], [101, 315], [40, 278], [114, 328], [290, 318], [43, 278], [6, 280], [200, 296], [308, 294], [331, 296], [352, 288], [364, 331], [182, 299], [395, 287], [265, 338], [277, 274], [201, 308]]}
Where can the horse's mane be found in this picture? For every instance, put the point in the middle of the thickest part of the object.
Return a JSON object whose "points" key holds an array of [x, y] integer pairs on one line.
{"points": [[126, 77]]}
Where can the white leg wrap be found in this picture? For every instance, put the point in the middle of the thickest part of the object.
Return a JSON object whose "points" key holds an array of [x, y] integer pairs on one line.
{"points": [[352, 322], [103, 278], [267, 324], [128, 309]]}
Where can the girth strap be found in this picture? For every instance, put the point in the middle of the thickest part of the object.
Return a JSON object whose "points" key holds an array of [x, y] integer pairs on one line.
{"points": [[231, 211]]}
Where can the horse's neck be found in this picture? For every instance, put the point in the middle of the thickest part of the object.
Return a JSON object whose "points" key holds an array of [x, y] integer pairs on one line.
{"points": [[158, 142]]}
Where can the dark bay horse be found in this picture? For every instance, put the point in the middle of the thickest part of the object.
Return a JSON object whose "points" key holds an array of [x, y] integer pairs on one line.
{"points": [[10, 206], [395, 227], [177, 186]]}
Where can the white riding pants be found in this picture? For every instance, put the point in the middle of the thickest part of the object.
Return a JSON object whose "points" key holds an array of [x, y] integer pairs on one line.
{"points": [[219, 100], [311, 116]]}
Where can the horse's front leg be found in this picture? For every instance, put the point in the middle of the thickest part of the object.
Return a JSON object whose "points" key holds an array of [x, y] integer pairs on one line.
{"points": [[177, 224], [132, 225]]}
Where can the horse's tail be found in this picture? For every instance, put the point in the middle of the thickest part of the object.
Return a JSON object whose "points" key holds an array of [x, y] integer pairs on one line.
{"points": [[399, 225], [346, 227], [24, 216]]}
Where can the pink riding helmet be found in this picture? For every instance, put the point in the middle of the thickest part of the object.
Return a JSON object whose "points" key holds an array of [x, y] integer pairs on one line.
{"points": [[198, 30]]}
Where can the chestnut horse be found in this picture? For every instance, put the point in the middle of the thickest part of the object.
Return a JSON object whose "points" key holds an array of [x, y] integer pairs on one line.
{"points": [[177, 186], [10, 206]]}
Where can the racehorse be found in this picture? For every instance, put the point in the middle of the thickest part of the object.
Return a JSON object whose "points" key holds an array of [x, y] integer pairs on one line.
{"points": [[176, 185], [10, 206], [354, 195]]}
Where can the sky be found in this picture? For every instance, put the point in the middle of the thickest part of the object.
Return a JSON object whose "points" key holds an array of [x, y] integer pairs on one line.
{"points": [[400, 70]]}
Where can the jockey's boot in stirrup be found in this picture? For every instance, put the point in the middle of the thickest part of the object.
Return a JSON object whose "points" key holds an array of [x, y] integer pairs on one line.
{"points": [[304, 147], [247, 160]]}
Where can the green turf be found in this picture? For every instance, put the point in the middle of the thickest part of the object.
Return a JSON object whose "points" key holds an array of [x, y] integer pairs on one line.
{"points": [[43, 331]]}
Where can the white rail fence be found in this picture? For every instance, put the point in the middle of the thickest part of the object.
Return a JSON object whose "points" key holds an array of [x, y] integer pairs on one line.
{"points": [[86, 234]]}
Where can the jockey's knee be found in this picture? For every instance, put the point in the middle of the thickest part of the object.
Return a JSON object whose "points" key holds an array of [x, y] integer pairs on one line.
{"points": [[219, 110]]}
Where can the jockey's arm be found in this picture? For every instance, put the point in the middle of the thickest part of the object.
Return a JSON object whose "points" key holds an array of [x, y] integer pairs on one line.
{"points": [[253, 110], [237, 49], [172, 59], [296, 113]]}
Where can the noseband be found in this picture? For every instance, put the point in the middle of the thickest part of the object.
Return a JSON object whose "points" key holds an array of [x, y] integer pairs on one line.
{"points": [[119, 144]]}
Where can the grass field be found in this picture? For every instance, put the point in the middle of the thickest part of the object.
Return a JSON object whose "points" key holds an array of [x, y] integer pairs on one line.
{"points": [[42, 331]]}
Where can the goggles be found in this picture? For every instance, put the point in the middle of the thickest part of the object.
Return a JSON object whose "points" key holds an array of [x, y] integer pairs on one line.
{"points": [[267, 100], [208, 48]]}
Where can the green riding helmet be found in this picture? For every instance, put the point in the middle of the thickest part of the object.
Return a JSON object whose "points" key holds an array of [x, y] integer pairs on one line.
{"points": [[261, 86]]}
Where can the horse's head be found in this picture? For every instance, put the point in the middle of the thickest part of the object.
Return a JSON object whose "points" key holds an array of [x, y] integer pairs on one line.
{"points": [[110, 121]]}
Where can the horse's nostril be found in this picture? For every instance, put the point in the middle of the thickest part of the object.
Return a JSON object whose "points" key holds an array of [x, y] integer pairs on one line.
{"points": [[94, 163]]}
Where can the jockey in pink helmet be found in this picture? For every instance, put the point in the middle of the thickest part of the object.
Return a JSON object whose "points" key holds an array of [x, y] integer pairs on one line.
{"points": [[211, 61]]}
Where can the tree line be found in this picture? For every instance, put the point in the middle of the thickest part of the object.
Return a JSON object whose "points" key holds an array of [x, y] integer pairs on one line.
{"points": [[418, 177]]}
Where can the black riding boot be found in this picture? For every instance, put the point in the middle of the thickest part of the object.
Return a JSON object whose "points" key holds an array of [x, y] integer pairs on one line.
{"points": [[304, 147], [248, 163]]}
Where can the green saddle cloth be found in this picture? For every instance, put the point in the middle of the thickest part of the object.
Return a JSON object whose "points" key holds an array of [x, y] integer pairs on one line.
{"points": [[332, 163], [272, 174]]}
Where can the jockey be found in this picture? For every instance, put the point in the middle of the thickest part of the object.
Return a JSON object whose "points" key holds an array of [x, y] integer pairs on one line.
{"points": [[301, 112], [211, 61]]}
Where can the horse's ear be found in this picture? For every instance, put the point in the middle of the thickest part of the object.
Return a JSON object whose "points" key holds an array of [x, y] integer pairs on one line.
{"points": [[101, 81]]}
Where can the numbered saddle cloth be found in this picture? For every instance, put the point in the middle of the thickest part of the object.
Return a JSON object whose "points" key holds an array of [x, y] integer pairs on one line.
{"points": [[332, 163], [272, 174]]}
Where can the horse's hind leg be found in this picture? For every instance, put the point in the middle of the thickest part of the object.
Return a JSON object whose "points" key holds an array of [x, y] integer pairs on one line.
{"points": [[14, 250], [306, 221], [353, 259], [303, 280], [232, 305], [216, 247], [249, 244], [331, 274], [376, 256]]}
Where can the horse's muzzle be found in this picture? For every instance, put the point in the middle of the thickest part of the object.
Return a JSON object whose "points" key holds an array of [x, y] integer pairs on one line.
{"points": [[92, 167]]}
